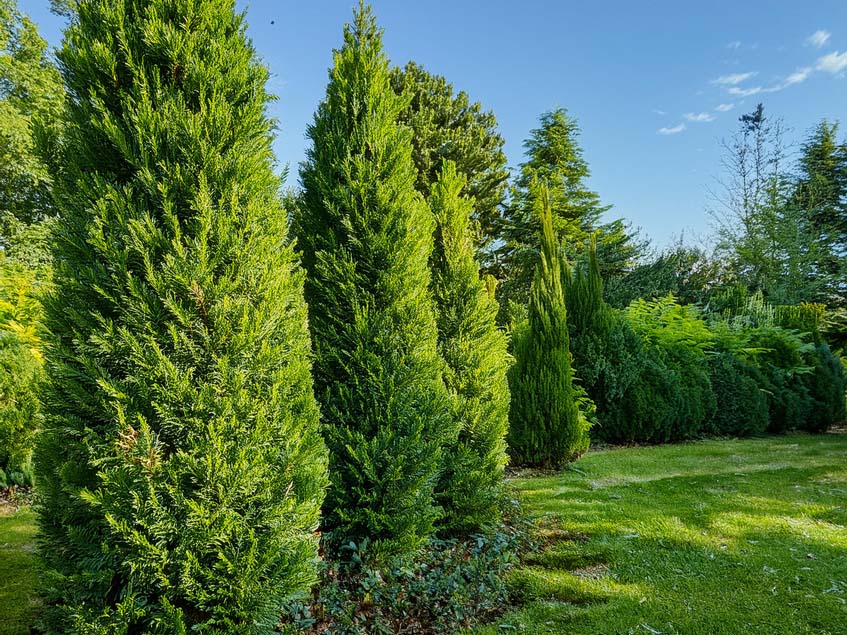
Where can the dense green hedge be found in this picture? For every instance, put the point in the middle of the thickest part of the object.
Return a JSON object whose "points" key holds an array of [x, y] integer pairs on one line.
{"points": [[741, 404], [660, 371]]}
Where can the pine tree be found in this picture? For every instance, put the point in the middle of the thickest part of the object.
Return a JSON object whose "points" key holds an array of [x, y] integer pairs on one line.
{"points": [[181, 468], [448, 126], [367, 236], [545, 425], [474, 351], [821, 195]]}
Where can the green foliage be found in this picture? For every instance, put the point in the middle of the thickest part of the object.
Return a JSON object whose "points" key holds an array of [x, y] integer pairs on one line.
{"points": [[686, 272], [453, 584], [553, 156], [21, 374], [632, 380], [545, 426], [783, 363], [665, 322], [741, 405], [181, 467], [821, 195], [660, 372], [447, 126], [827, 385], [21, 371], [805, 317], [30, 96], [474, 351], [679, 337], [367, 236], [764, 234], [794, 368]]}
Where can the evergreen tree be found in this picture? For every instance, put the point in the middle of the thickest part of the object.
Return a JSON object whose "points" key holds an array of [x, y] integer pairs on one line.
{"points": [[367, 236], [447, 125], [181, 468], [474, 350], [545, 425], [821, 194], [553, 156]]}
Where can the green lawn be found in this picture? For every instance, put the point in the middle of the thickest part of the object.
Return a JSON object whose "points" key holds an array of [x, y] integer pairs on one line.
{"points": [[18, 605], [711, 538]]}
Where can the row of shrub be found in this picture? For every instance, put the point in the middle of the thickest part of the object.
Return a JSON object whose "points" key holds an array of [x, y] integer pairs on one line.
{"points": [[661, 371], [226, 375]]}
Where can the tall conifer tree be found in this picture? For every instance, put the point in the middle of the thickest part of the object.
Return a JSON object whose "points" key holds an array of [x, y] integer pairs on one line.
{"points": [[474, 351], [181, 469], [554, 156], [367, 236], [545, 425], [821, 195]]}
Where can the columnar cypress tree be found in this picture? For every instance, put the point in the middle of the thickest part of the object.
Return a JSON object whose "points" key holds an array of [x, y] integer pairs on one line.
{"points": [[367, 236], [181, 469], [474, 350], [545, 426]]}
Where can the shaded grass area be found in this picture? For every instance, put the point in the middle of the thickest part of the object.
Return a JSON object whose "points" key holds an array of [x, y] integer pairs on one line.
{"points": [[18, 570], [711, 538]]}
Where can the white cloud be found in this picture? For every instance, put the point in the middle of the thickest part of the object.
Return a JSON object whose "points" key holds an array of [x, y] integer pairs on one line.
{"points": [[835, 62], [732, 80], [674, 130], [724, 107], [659, 112], [734, 45], [796, 77], [699, 117], [818, 39], [744, 92]]}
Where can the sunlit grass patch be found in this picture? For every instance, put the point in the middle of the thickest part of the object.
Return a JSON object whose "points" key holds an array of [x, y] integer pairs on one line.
{"points": [[715, 537], [18, 571]]}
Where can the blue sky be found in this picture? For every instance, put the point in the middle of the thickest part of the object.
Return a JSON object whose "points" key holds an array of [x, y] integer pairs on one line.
{"points": [[654, 85]]}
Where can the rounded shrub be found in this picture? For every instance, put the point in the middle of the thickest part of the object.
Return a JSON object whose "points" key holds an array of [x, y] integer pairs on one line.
{"points": [[782, 363]]}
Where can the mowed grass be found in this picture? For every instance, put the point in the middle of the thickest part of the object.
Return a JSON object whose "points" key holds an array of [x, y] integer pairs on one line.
{"points": [[712, 538], [18, 570]]}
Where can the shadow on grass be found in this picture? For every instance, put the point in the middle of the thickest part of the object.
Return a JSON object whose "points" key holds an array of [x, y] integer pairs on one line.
{"points": [[714, 538]]}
